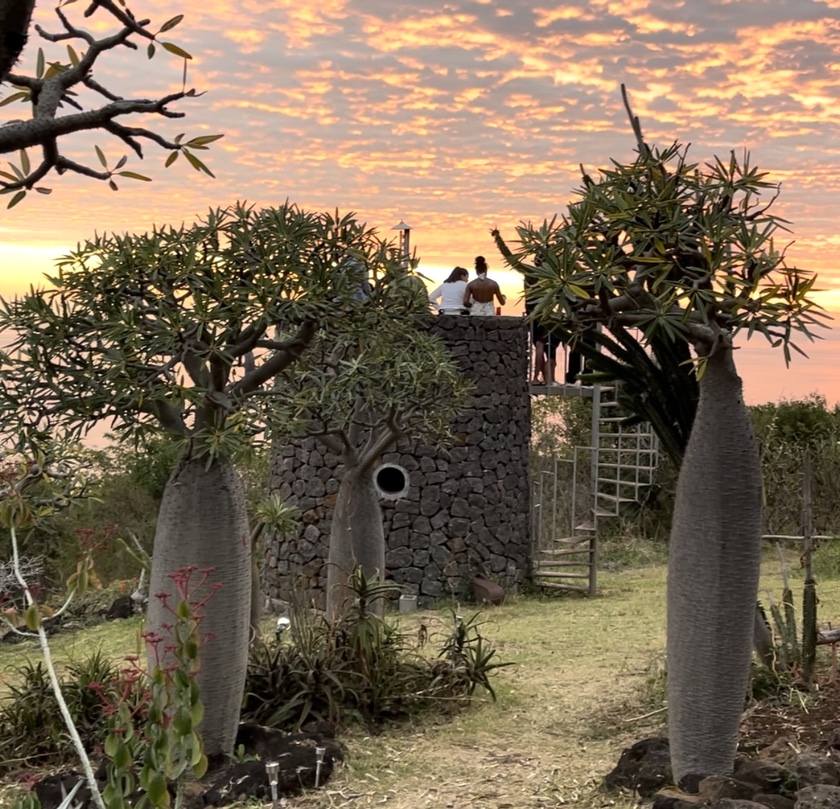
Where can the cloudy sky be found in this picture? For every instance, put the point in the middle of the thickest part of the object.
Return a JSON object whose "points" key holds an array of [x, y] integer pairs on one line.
{"points": [[458, 116]]}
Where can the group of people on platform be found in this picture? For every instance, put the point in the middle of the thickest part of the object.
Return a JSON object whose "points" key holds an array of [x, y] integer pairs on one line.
{"points": [[460, 296]]}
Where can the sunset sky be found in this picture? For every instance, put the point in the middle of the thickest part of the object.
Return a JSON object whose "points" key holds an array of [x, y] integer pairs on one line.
{"points": [[463, 115]]}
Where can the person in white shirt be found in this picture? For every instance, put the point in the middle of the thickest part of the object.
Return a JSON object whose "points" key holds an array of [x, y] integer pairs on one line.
{"points": [[451, 293]]}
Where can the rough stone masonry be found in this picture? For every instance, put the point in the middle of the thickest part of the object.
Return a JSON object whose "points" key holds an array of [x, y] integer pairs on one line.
{"points": [[467, 509]]}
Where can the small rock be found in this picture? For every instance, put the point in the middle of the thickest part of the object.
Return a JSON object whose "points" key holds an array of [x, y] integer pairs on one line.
{"points": [[644, 767], [782, 751], [122, 607], [812, 768], [675, 798], [819, 796], [690, 782], [774, 801], [487, 592], [715, 787], [768, 776]]}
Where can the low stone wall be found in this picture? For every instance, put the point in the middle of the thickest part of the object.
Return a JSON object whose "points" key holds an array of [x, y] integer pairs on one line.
{"points": [[467, 509]]}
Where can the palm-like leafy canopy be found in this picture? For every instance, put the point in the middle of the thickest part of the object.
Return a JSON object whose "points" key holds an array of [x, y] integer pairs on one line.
{"points": [[658, 256], [664, 245]]}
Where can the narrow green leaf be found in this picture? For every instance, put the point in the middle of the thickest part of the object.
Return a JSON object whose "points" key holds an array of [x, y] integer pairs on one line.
{"points": [[42, 190], [16, 199], [173, 48], [112, 185], [101, 157], [24, 161], [170, 24], [150, 51], [74, 57], [171, 159], [197, 164], [14, 97], [202, 141], [134, 176], [122, 162]]}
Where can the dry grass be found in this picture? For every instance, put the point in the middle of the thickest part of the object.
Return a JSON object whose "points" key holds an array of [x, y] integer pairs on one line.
{"points": [[575, 698], [563, 715]]}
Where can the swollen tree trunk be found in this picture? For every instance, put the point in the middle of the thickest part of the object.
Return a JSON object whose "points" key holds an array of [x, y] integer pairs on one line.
{"points": [[357, 536], [713, 576], [203, 522]]}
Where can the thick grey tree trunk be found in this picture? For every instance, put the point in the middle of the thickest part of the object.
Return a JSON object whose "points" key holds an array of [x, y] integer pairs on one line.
{"points": [[203, 522], [357, 536], [713, 576]]}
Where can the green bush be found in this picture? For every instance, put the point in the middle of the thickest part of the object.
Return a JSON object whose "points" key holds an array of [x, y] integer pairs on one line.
{"points": [[32, 730], [362, 667]]}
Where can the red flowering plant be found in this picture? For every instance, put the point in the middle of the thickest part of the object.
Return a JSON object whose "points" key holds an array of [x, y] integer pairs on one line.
{"points": [[152, 743]]}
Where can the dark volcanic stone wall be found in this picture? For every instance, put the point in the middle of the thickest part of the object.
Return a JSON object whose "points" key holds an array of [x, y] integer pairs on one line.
{"points": [[467, 509]]}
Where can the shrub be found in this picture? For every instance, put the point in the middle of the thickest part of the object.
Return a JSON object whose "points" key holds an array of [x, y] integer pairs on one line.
{"points": [[32, 730], [362, 667]]}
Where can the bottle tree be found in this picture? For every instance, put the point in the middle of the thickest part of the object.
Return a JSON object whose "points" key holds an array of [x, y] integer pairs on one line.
{"points": [[670, 248], [358, 393], [181, 332]]}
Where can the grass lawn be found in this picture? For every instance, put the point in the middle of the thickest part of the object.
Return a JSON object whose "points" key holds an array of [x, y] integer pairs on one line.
{"points": [[586, 683]]}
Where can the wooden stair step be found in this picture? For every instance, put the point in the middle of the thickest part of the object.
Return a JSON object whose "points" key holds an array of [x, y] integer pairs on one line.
{"points": [[579, 563], [568, 552], [640, 467], [615, 498], [576, 588], [551, 575]]}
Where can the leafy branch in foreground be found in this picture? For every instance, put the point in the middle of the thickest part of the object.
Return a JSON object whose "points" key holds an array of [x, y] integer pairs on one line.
{"points": [[63, 97]]}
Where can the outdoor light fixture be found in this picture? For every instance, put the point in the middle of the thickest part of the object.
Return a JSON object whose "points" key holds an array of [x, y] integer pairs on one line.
{"points": [[282, 625], [319, 760], [404, 236], [272, 769]]}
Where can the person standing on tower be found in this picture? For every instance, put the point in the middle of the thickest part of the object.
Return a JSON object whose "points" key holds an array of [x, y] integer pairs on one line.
{"points": [[479, 294]]}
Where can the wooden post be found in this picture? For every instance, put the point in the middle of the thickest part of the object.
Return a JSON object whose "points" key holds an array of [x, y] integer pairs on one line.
{"points": [[809, 590]]}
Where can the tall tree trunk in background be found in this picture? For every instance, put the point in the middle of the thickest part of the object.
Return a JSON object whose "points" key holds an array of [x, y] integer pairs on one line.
{"points": [[357, 536], [713, 575], [15, 16], [203, 522]]}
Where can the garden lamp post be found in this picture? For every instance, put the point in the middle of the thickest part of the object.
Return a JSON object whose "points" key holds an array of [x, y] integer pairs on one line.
{"points": [[405, 233]]}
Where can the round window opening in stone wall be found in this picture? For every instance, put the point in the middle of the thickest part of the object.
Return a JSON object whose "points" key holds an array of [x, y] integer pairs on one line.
{"points": [[392, 481]]}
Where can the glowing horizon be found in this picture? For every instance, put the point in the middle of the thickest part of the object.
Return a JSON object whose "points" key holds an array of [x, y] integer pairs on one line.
{"points": [[464, 117]]}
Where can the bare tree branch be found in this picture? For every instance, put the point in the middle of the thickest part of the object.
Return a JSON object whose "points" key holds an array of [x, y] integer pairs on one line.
{"points": [[276, 363]]}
